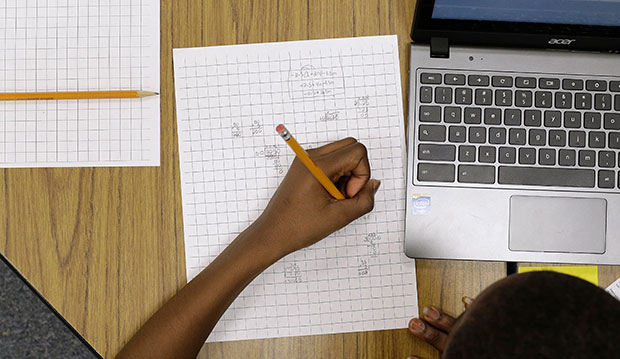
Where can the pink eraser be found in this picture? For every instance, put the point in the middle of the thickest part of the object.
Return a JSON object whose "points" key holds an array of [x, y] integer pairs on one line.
{"points": [[280, 128]]}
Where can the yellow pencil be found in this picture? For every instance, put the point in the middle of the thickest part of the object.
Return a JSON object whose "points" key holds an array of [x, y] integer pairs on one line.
{"points": [[306, 160], [23, 96]]}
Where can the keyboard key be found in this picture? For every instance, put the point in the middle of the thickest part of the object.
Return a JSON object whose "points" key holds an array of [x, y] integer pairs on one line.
{"points": [[512, 117], [463, 96], [563, 100], [492, 116], [612, 121], [457, 134], [614, 140], [586, 158], [536, 176], [596, 85], [596, 139], [526, 82], [606, 179], [476, 174], [538, 137], [507, 155], [592, 120], [547, 83], [614, 86], [503, 98], [433, 172], [607, 159], [516, 136], [486, 154], [454, 79], [432, 133], [477, 135], [567, 157], [497, 136], [557, 138], [532, 118], [523, 98], [546, 157], [571, 84], [572, 119], [577, 139], [473, 116], [617, 102], [502, 81], [443, 95], [553, 119], [543, 99], [478, 80], [430, 78], [430, 114], [426, 94], [602, 102], [484, 97], [467, 154], [452, 114], [583, 101], [527, 156], [428, 152]]}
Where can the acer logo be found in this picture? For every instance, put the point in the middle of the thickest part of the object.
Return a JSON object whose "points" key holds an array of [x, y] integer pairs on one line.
{"points": [[561, 41]]}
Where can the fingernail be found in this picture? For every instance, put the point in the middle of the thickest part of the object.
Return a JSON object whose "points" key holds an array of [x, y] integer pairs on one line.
{"points": [[416, 325], [467, 300], [377, 185], [431, 313]]}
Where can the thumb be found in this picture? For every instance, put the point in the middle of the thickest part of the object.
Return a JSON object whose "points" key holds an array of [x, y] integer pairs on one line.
{"points": [[360, 204]]}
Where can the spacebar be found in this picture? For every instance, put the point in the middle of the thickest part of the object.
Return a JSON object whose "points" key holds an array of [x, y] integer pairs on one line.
{"points": [[536, 176]]}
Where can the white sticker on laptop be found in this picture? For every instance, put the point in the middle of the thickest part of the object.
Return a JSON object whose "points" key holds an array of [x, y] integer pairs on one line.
{"points": [[421, 204]]}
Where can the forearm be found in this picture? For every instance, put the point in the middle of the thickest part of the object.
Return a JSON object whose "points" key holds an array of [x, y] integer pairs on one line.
{"points": [[181, 326]]}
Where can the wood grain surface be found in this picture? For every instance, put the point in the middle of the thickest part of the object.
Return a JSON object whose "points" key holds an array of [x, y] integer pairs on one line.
{"points": [[105, 245]]}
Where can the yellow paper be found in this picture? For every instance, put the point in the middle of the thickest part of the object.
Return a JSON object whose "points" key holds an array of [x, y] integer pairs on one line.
{"points": [[587, 273]]}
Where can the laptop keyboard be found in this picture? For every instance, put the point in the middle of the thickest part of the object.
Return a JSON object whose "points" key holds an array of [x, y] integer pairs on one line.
{"points": [[510, 129]]}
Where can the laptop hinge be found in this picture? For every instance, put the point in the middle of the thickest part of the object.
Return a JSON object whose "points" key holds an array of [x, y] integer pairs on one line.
{"points": [[440, 47]]}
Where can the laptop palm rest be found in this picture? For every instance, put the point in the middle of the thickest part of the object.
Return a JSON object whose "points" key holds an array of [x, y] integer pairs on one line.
{"points": [[556, 224]]}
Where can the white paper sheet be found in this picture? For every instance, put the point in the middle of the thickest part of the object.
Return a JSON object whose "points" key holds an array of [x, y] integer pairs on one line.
{"points": [[229, 101], [614, 289], [75, 45]]}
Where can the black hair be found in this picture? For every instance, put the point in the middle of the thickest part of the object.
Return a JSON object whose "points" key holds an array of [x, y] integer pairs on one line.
{"points": [[539, 315]]}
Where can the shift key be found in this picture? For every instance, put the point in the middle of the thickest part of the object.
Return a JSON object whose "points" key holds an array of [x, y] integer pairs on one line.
{"points": [[432, 152], [431, 172], [476, 174]]}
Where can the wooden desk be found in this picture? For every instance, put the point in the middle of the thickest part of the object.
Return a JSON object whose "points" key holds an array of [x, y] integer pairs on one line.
{"points": [[105, 245]]}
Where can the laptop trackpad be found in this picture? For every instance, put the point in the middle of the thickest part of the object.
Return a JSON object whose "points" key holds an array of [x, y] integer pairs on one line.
{"points": [[553, 224]]}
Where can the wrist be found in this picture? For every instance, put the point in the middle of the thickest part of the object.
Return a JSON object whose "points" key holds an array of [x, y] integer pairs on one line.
{"points": [[259, 240]]}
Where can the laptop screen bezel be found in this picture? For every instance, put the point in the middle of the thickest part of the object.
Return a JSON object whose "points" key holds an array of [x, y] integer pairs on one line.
{"points": [[513, 34]]}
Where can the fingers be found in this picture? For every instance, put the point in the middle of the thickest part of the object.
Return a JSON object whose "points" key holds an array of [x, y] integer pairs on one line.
{"points": [[362, 203], [428, 333], [350, 160], [467, 301], [331, 147], [438, 319]]}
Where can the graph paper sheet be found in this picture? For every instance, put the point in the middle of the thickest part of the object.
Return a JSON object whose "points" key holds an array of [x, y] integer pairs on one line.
{"points": [[75, 45], [229, 101], [614, 289]]}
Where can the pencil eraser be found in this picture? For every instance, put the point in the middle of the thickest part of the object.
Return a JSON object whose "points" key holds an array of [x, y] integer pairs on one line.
{"points": [[280, 128]]}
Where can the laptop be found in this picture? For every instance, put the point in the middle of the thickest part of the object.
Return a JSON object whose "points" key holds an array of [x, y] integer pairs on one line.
{"points": [[514, 131]]}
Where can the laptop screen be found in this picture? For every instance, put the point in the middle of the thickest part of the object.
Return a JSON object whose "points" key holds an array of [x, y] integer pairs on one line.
{"points": [[569, 12]]}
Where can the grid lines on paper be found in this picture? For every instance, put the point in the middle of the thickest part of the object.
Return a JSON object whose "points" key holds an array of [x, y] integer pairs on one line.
{"points": [[232, 162], [72, 45]]}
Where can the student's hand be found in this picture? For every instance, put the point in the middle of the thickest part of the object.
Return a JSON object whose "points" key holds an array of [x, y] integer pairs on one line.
{"points": [[435, 326], [302, 212]]}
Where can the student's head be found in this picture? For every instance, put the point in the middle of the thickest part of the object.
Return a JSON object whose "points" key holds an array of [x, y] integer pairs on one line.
{"points": [[538, 315]]}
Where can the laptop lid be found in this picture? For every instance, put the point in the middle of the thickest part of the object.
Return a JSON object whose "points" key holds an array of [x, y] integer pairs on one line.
{"points": [[567, 24]]}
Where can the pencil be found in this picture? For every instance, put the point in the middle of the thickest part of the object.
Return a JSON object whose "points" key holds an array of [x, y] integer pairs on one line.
{"points": [[309, 163], [23, 96]]}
